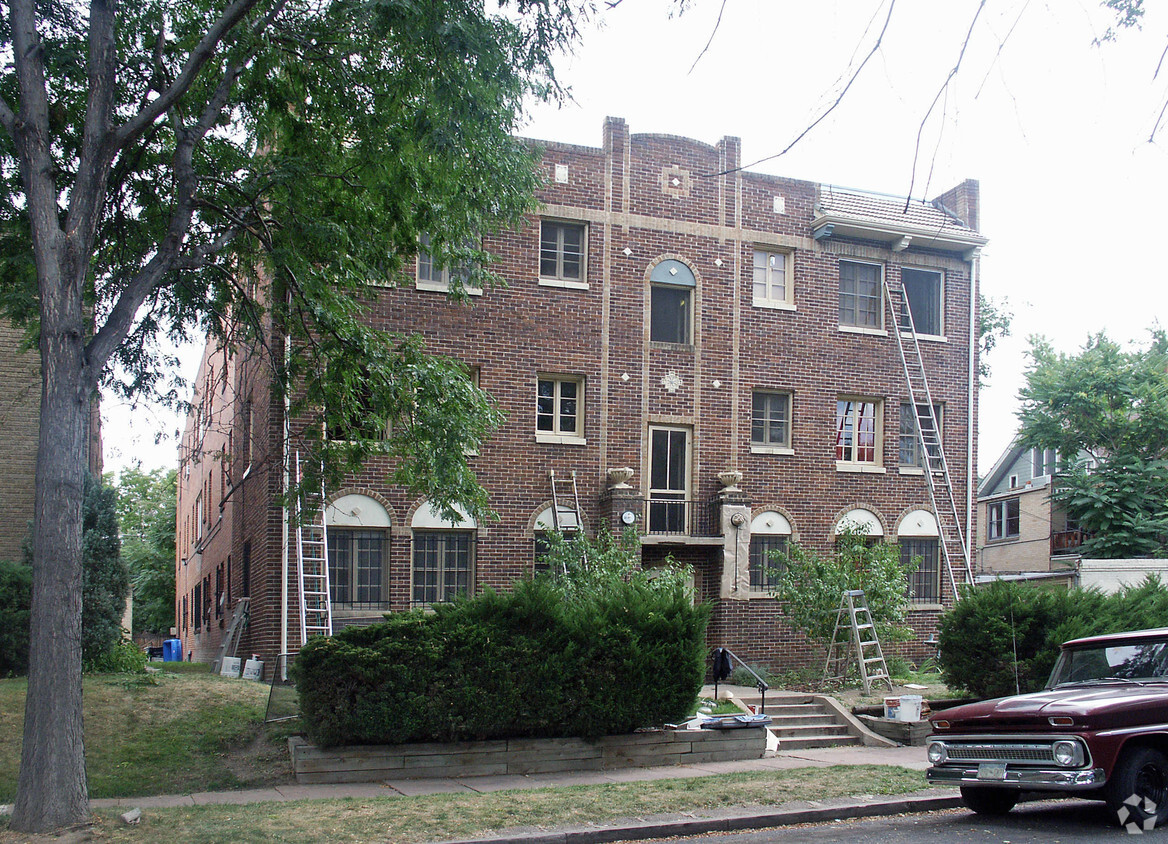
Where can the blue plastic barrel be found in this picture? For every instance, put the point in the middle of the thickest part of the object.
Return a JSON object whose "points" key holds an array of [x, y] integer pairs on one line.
{"points": [[172, 650]]}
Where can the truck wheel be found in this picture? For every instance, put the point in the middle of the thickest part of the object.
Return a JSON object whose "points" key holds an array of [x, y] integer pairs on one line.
{"points": [[988, 799], [1138, 789]]}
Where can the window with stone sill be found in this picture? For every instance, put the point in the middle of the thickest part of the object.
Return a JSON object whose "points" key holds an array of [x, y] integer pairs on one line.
{"points": [[562, 251], [1003, 519], [559, 407], [771, 278], [770, 421], [924, 299], [443, 566], [858, 431], [924, 583], [432, 276], [861, 295], [911, 453]]}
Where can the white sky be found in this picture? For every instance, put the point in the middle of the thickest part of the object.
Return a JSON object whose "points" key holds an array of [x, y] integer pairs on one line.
{"points": [[1054, 128]]}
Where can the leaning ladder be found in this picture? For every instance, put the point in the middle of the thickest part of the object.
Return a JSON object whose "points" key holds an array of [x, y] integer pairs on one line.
{"points": [[565, 502], [863, 639], [316, 610], [230, 644], [954, 549]]}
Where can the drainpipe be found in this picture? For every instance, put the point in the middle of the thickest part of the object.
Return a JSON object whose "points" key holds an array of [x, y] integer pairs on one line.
{"points": [[285, 444], [971, 479]]}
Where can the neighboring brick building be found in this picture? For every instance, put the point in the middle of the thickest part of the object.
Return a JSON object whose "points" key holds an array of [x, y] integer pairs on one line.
{"points": [[722, 334], [20, 408]]}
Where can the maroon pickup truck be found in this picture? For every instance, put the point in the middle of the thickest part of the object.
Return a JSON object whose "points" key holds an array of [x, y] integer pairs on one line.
{"points": [[1098, 730]]}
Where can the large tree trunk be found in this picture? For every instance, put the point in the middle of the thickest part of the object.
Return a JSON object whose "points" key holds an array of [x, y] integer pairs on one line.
{"points": [[52, 787]]}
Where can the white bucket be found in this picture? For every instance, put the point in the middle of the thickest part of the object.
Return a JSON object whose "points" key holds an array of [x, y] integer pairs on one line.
{"points": [[909, 709]]}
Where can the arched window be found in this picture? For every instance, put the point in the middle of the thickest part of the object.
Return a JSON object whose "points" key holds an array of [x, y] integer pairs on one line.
{"points": [[919, 540], [770, 531], [862, 521], [443, 558], [672, 286], [358, 553]]}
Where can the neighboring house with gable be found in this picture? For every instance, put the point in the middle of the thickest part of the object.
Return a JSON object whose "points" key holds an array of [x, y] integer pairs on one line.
{"points": [[705, 354], [1022, 532]]}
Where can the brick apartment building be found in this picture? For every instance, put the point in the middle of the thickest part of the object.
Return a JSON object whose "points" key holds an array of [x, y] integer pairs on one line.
{"points": [[709, 350]]}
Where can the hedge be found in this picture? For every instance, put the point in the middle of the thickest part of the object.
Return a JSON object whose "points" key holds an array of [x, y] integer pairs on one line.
{"points": [[993, 627], [528, 663]]}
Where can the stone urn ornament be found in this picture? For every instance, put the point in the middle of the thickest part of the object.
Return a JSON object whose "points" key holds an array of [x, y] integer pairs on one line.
{"points": [[730, 479], [619, 478]]}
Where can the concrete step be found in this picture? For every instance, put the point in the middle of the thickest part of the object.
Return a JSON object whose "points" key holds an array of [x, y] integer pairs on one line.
{"points": [[782, 728], [811, 742]]}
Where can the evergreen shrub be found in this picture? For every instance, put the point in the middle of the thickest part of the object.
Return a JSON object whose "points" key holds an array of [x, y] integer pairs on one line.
{"points": [[533, 662], [993, 627]]}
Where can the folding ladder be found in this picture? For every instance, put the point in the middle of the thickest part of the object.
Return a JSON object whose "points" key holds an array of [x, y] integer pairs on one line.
{"points": [[853, 614]]}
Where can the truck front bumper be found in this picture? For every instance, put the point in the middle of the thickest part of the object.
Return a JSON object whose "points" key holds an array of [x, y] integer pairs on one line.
{"points": [[1038, 779]]}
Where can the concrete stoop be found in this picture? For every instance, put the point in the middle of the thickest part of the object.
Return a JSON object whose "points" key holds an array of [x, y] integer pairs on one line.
{"points": [[807, 721]]}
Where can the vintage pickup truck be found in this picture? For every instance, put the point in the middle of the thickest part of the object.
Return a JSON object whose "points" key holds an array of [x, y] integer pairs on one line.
{"points": [[1098, 730]]}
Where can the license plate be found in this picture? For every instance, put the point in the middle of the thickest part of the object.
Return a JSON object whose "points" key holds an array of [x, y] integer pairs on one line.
{"points": [[992, 771]]}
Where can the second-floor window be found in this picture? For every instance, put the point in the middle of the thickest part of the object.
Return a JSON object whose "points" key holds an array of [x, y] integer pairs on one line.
{"points": [[857, 427], [559, 406], [911, 453], [770, 420], [1002, 519], [433, 276]]}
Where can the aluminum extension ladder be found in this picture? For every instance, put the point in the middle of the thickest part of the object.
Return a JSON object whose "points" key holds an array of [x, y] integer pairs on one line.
{"points": [[954, 550], [316, 610]]}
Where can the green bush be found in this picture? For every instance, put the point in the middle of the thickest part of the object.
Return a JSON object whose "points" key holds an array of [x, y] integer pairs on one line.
{"points": [[1006, 624], [123, 658], [531, 662], [15, 601]]}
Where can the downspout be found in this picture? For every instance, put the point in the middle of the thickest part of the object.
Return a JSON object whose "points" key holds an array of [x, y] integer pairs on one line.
{"points": [[974, 344], [285, 444]]}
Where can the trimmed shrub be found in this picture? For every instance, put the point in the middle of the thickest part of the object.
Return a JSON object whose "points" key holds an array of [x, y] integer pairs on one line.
{"points": [[529, 663], [15, 601], [997, 626]]}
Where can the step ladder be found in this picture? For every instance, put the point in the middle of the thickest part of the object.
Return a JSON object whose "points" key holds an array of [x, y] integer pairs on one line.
{"points": [[230, 644], [854, 631], [954, 550], [316, 611], [565, 502]]}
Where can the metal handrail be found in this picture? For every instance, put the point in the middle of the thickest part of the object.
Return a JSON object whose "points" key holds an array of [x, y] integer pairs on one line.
{"points": [[724, 657]]}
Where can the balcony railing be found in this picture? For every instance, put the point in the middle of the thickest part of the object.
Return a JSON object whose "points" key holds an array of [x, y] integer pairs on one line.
{"points": [[1066, 542], [663, 516]]}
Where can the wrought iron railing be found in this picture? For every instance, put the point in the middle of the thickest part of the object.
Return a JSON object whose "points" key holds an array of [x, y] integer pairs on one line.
{"points": [[666, 516]]}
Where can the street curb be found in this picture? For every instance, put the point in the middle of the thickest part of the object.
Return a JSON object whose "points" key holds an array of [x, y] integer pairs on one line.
{"points": [[762, 819]]}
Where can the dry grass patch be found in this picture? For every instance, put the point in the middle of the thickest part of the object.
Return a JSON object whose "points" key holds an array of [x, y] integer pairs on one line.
{"points": [[444, 816]]}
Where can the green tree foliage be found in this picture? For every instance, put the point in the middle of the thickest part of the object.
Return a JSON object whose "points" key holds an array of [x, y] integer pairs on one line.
{"points": [[813, 583], [1111, 404], [152, 150], [579, 564], [536, 661], [997, 629], [15, 600], [993, 324], [146, 514], [107, 582]]}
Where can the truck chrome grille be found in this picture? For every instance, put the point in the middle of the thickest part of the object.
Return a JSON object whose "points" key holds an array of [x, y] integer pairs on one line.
{"points": [[1027, 754]]}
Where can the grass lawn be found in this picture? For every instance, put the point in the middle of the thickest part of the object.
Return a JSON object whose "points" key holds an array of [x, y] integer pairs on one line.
{"points": [[168, 733], [444, 816]]}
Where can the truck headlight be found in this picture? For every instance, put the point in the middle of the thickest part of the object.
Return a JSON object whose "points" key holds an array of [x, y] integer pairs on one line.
{"points": [[938, 755], [1067, 753]]}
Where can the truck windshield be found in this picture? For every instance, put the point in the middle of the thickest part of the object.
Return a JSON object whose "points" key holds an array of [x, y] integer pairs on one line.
{"points": [[1140, 661]]}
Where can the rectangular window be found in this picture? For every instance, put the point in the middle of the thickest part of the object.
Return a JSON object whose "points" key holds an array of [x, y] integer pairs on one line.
{"points": [[443, 565], [1002, 519], [911, 453], [771, 279], [245, 440], [923, 297], [861, 300], [185, 625], [559, 406], [1043, 462], [561, 251], [197, 605], [433, 276], [357, 568], [770, 420], [924, 584], [765, 571], [857, 426], [670, 318]]}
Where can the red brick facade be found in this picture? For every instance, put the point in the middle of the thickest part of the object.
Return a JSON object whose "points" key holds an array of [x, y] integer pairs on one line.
{"points": [[670, 217]]}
